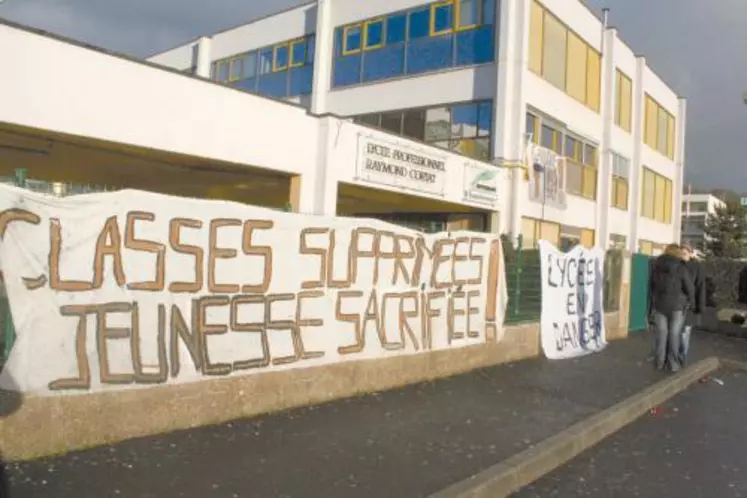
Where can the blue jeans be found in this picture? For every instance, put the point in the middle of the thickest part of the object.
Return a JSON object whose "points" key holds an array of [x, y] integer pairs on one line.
{"points": [[685, 343], [668, 334]]}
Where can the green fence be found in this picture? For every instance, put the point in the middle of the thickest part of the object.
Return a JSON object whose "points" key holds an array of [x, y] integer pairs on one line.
{"points": [[524, 282]]}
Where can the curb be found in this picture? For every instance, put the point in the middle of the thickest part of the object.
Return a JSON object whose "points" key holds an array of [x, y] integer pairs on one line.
{"points": [[526, 467]]}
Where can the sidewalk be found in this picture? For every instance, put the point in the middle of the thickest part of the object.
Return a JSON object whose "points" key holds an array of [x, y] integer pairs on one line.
{"points": [[407, 443]]}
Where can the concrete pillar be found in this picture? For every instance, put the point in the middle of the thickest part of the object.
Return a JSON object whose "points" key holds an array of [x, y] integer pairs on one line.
{"points": [[607, 115], [636, 168], [322, 57], [509, 105], [203, 57], [679, 160]]}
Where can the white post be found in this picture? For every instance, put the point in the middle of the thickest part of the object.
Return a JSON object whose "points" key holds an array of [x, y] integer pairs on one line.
{"points": [[679, 161], [636, 169], [204, 59], [323, 57], [604, 172]]}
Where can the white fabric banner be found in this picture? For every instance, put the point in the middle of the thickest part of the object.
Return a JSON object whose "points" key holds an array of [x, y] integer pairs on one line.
{"points": [[572, 322], [130, 289]]}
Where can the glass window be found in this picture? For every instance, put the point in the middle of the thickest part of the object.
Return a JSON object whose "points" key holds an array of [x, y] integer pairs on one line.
{"points": [[437, 124], [469, 13], [370, 119], [528, 232], [531, 129], [282, 57], [572, 148], [574, 178], [649, 193], [662, 134], [590, 155], [594, 80], [554, 51], [374, 37], [624, 102], [551, 139], [352, 39], [414, 124], [310, 49], [660, 198], [396, 26], [420, 21], [223, 71], [265, 61], [236, 71], [298, 53], [576, 73], [485, 121], [250, 65], [442, 18], [392, 121], [464, 120], [651, 122], [536, 37], [488, 11]]}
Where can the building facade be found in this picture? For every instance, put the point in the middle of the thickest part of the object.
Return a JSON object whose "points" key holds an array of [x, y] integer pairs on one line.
{"points": [[695, 211]]}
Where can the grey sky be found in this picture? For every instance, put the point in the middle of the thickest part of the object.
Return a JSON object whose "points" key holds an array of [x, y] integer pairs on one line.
{"points": [[697, 46]]}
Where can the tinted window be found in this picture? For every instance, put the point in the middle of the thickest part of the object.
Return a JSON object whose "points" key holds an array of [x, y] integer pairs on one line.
{"points": [[414, 124], [374, 33], [420, 21], [443, 18], [395, 28], [392, 121], [299, 52], [353, 39]]}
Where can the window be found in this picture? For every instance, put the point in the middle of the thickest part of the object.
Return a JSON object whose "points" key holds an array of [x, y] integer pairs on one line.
{"points": [[646, 247], [563, 58], [298, 52], [656, 201], [282, 57], [532, 129], [468, 13], [442, 18], [533, 230], [624, 101], [464, 128], [374, 34], [250, 65], [265, 60], [236, 71], [658, 128], [223, 73], [587, 238], [550, 138], [353, 39], [433, 37], [620, 174]]}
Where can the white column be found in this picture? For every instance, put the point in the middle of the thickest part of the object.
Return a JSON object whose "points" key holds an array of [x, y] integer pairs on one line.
{"points": [[509, 105], [204, 58], [604, 172], [636, 168], [322, 57], [679, 160]]}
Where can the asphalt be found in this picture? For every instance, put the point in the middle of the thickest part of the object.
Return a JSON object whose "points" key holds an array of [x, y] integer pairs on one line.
{"points": [[696, 446], [408, 442]]}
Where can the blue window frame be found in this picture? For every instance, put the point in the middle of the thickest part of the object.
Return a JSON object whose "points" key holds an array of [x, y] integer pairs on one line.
{"points": [[396, 29], [443, 34]]}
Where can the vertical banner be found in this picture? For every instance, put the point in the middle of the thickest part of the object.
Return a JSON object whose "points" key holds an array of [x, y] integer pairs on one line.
{"points": [[572, 321]]}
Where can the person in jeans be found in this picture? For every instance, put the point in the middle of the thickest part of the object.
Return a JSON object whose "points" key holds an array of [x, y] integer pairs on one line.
{"points": [[693, 318], [671, 294]]}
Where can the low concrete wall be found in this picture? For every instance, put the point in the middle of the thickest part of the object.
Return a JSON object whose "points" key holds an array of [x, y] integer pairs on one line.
{"points": [[42, 426]]}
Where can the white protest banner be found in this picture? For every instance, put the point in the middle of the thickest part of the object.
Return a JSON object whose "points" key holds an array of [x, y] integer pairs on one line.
{"points": [[129, 289], [572, 322]]}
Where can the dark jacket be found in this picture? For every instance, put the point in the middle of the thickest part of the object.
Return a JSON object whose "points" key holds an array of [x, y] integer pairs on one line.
{"points": [[670, 285], [699, 284]]}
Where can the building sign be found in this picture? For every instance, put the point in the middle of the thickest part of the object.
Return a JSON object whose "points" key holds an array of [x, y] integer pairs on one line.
{"points": [[546, 184], [130, 289], [397, 165], [481, 183], [572, 322]]}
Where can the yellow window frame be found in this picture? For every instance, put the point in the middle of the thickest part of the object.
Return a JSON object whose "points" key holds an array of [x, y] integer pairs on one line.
{"points": [[457, 16], [434, 8], [345, 31], [275, 67], [291, 46], [364, 36]]}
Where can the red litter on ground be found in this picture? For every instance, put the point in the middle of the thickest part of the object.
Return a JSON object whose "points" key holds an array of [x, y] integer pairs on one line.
{"points": [[655, 411]]}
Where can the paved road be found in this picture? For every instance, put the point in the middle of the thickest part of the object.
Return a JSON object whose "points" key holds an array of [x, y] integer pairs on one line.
{"points": [[696, 447], [405, 443]]}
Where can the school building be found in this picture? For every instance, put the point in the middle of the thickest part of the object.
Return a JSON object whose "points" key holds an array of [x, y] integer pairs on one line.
{"points": [[513, 116]]}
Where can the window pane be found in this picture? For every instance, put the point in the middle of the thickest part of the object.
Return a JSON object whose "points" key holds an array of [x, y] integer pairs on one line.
{"points": [[536, 36], [528, 232], [573, 178], [443, 18], [488, 11], [469, 12], [590, 155], [282, 56], [590, 183], [576, 74], [660, 199], [587, 238], [236, 70], [624, 101], [353, 39], [554, 52], [547, 139], [651, 122], [550, 232], [250, 65], [572, 148], [383, 63], [299, 53], [223, 71], [370, 119], [649, 193], [622, 195], [662, 133], [265, 61], [395, 28], [670, 137], [437, 124], [594, 80], [485, 119], [420, 23], [392, 121], [374, 34], [414, 124], [311, 49], [668, 201], [464, 121], [531, 129]]}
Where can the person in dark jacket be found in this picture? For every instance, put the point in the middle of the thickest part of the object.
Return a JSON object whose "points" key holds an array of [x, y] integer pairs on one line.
{"points": [[671, 294], [694, 316]]}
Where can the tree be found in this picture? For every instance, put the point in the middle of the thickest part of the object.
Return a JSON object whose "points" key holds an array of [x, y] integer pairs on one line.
{"points": [[726, 231]]}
